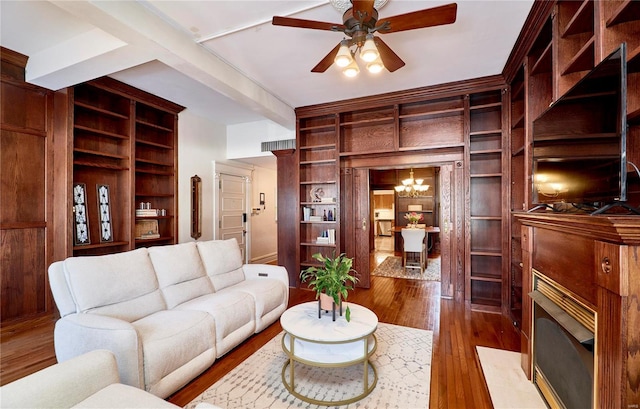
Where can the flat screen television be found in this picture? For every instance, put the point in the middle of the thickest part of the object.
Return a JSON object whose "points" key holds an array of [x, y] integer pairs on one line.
{"points": [[579, 142]]}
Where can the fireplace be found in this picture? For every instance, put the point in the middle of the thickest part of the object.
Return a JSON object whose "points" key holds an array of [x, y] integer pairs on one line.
{"points": [[564, 344]]}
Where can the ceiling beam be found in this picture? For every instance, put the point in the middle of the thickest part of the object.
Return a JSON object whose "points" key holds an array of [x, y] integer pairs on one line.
{"points": [[154, 38]]}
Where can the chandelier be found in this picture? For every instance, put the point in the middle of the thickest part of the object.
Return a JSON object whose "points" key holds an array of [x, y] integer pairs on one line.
{"points": [[412, 187]]}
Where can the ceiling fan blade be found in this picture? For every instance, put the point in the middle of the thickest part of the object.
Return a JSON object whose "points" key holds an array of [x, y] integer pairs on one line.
{"points": [[327, 60], [435, 16], [362, 9], [390, 59], [300, 23]]}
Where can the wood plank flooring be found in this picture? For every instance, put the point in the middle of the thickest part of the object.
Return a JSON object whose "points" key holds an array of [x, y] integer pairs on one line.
{"points": [[456, 380]]}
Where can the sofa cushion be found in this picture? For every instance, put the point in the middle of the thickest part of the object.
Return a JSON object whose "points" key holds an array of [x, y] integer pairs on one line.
{"points": [[233, 313], [118, 395], [121, 285], [180, 272], [269, 294], [170, 339], [222, 261]]}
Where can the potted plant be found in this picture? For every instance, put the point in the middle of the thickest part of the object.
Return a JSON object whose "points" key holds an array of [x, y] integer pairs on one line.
{"points": [[332, 279]]}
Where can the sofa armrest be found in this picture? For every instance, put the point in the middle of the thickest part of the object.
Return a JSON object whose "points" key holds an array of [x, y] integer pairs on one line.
{"points": [[62, 385], [257, 271], [77, 334]]}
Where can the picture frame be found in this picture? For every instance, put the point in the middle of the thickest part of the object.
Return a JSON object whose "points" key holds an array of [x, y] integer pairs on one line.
{"points": [[81, 236], [104, 210]]}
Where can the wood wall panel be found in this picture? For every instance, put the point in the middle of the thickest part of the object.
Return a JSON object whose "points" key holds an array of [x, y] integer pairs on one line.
{"points": [[21, 95], [287, 164], [23, 276], [568, 260], [434, 132], [23, 177], [25, 160]]}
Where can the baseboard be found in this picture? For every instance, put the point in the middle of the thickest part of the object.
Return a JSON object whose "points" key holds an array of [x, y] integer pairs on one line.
{"points": [[271, 258]]}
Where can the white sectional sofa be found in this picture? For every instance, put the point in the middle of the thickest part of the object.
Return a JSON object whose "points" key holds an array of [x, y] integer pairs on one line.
{"points": [[165, 312], [86, 381]]}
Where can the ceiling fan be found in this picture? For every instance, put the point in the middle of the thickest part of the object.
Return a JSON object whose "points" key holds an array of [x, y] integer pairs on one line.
{"points": [[359, 23]]}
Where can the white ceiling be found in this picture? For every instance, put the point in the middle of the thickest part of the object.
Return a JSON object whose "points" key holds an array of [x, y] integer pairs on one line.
{"points": [[225, 61]]}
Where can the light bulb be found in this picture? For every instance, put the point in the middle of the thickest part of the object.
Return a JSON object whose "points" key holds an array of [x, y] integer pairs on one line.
{"points": [[375, 66], [344, 57], [351, 70], [369, 52]]}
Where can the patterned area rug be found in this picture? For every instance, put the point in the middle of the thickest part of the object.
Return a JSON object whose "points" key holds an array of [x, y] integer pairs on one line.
{"points": [[402, 359], [392, 267]]}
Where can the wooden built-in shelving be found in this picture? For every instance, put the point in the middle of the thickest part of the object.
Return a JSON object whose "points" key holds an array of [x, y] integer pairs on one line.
{"points": [[109, 128], [485, 245]]}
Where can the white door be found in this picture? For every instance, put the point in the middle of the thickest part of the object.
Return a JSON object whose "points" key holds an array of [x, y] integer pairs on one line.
{"points": [[232, 205]]}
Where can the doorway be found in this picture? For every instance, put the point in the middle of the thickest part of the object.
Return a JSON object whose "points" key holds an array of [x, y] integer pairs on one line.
{"points": [[389, 209], [383, 222], [359, 235]]}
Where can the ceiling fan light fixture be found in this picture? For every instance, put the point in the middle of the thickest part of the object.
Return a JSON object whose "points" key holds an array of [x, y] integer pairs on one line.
{"points": [[344, 57], [351, 70], [375, 66], [369, 51]]}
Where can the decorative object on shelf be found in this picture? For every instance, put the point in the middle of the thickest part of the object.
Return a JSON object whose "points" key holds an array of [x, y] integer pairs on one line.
{"points": [[104, 207], [306, 214], [334, 278], [316, 194], [196, 207], [147, 229], [81, 231], [411, 187], [413, 218]]}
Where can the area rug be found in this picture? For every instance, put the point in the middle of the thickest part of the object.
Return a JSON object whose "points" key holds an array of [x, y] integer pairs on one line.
{"points": [[402, 359], [392, 267], [507, 383]]}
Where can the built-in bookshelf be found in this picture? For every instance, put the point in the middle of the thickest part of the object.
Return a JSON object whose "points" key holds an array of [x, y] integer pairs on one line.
{"points": [[124, 159], [319, 189], [485, 242]]}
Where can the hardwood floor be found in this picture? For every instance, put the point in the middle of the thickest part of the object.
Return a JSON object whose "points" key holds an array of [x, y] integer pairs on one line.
{"points": [[456, 377]]}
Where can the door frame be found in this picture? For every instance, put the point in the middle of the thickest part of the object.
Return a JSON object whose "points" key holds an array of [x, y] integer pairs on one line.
{"points": [[450, 158]]}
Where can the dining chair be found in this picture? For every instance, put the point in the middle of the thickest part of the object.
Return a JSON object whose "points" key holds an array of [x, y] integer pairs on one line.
{"points": [[413, 242]]}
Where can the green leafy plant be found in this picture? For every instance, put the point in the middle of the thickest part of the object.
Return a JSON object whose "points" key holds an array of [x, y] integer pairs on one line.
{"points": [[335, 277]]}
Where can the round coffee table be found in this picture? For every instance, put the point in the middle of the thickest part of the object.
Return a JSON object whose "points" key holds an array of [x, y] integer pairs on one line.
{"points": [[322, 342]]}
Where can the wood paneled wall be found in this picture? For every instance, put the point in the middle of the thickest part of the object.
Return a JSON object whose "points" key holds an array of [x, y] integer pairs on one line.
{"points": [[25, 192]]}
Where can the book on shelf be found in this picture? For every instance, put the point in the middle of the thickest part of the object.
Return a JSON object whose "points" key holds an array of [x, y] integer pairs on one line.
{"points": [[146, 212], [327, 237], [149, 236]]}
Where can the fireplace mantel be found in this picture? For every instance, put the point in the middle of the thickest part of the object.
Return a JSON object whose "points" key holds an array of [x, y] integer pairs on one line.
{"points": [[596, 258]]}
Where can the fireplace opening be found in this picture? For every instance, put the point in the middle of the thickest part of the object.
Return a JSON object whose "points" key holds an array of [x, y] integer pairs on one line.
{"points": [[564, 343], [565, 364]]}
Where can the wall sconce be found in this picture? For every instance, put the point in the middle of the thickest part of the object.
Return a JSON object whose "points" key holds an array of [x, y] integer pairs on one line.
{"points": [[262, 201]]}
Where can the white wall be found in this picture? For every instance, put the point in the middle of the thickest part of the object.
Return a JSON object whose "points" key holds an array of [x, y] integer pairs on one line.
{"points": [[201, 145], [264, 239], [244, 140]]}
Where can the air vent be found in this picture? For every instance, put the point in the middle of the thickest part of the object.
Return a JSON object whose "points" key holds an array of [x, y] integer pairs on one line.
{"points": [[278, 145]]}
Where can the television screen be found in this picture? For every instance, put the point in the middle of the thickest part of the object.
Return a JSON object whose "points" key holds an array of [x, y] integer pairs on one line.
{"points": [[579, 142]]}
